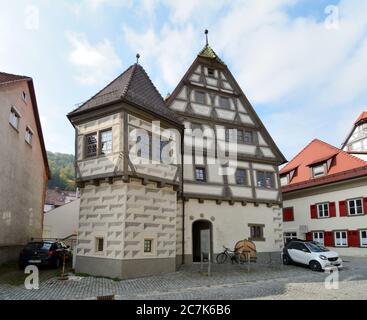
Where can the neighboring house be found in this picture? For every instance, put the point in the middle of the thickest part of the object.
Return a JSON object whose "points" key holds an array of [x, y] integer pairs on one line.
{"points": [[24, 169], [325, 198], [62, 222], [57, 197], [244, 204], [356, 141], [127, 218], [134, 216]]}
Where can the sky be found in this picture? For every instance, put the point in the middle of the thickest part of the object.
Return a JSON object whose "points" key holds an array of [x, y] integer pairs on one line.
{"points": [[301, 63]]}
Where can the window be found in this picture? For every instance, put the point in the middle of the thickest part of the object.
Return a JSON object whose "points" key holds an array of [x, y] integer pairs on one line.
{"points": [[224, 102], [256, 232], [265, 179], [288, 214], [148, 245], [355, 207], [318, 237], [284, 180], [200, 174], [99, 244], [231, 134], [91, 145], [241, 177], [323, 210], [341, 239], [163, 145], [287, 236], [28, 135], [248, 137], [318, 171], [14, 118], [211, 72], [106, 142], [24, 96], [363, 234], [200, 97]]}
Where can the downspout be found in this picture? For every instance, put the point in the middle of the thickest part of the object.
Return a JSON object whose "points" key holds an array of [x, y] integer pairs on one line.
{"points": [[183, 199]]}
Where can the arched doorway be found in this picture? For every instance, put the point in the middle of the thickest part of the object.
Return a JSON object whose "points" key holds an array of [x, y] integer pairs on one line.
{"points": [[201, 238]]}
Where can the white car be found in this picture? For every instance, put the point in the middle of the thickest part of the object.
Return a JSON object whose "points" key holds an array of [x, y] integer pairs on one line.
{"points": [[310, 253]]}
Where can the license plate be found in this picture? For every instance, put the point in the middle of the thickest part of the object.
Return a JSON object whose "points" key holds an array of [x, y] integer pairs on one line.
{"points": [[35, 261]]}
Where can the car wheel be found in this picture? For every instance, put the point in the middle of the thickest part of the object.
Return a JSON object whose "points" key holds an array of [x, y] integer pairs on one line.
{"points": [[315, 266], [286, 259], [57, 263]]}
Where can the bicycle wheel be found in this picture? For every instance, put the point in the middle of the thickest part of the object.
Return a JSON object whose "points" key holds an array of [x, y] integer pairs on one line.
{"points": [[221, 258]]}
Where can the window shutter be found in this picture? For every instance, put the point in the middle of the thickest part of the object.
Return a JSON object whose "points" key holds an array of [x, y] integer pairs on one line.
{"points": [[332, 209], [309, 236], [313, 211], [288, 214], [365, 205], [353, 238], [343, 212], [328, 239]]}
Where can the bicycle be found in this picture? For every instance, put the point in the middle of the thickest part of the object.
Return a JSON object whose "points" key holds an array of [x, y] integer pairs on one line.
{"points": [[227, 253]]}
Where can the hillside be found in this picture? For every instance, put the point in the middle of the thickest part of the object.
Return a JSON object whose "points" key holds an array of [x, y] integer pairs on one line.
{"points": [[62, 171]]}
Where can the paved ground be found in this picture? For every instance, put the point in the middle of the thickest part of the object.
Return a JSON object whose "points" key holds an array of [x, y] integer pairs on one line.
{"points": [[226, 282]]}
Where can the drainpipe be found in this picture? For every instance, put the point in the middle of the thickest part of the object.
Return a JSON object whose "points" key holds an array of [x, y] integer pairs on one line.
{"points": [[182, 199]]}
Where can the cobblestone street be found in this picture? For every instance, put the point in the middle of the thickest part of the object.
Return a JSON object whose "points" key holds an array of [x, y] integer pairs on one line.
{"points": [[226, 282]]}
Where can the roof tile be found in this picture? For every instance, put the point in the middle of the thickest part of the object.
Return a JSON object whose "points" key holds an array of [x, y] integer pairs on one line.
{"points": [[135, 86]]}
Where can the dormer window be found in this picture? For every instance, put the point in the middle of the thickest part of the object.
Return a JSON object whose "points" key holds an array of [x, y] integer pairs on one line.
{"points": [[284, 180], [318, 171]]}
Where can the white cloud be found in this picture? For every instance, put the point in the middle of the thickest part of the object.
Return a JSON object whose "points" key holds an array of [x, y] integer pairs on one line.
{"points": [[96, 4], [93, 63], [276, 58], [164, 50]]}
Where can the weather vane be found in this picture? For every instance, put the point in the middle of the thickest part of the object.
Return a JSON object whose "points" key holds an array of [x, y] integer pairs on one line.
{"points": [[206, 35], [137, 58]]}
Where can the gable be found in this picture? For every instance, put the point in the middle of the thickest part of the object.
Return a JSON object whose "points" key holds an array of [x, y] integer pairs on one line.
{"points": [[221, 100]]}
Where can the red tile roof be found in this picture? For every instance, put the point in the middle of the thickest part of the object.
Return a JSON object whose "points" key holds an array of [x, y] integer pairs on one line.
{"points": [[362, 116], [343, 165], [7, 77]]}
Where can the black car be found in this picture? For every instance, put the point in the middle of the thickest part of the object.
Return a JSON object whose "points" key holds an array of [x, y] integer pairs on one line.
{"points": [[44, 253]]}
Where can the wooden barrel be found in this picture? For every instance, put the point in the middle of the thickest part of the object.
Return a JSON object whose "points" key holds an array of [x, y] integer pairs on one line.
{"points": [[246, 248]]}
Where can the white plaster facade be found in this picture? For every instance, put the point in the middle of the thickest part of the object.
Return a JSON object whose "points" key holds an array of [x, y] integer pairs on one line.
{"points": [[301, 202]]}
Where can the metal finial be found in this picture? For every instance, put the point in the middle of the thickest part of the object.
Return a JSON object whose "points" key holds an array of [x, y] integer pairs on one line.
{"points": [[137, 58], [206, 35]]}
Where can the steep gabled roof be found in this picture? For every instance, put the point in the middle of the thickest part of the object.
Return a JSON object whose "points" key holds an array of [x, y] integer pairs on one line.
{"points": [[7, 78], [208, 52], [362, 117], [134, 86], [316, 152]]}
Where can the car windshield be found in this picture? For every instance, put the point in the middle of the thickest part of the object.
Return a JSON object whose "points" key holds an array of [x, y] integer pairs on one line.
{"points": [[38, 246], [316, 247]]}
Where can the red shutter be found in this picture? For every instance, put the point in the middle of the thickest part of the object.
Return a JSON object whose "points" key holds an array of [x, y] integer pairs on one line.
{"points": [[365, 205], [309, 236], [328, 239], [313, 211], [343, 208], [288, 214], [353, 238], [332, 209]]}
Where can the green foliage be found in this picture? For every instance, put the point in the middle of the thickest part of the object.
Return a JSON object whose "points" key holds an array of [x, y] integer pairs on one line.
{"points": [[62, 171]]}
